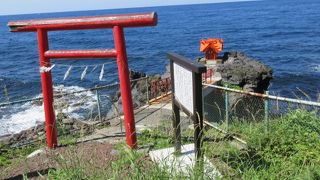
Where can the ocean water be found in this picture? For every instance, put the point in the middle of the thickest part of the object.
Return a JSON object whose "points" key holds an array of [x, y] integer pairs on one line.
{"points": [[284, 35]]}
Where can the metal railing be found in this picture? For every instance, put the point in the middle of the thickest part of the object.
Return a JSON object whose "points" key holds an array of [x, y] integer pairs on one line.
{"points": [[223, 105]]}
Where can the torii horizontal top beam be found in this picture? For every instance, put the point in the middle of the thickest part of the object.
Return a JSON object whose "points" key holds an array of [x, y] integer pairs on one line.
{"points": [[93, 22]]}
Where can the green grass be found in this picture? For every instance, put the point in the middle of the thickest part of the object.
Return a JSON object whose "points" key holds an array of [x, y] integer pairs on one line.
{"points": [[290, 150], [157, 138], [130, 165], [8, 154], [135, 165], [231, 86]]}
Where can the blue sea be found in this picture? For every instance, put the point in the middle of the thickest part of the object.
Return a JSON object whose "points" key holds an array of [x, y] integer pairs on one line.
{"points": [[284, 35]]}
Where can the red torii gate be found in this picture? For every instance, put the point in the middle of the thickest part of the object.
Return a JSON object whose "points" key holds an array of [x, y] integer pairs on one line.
{"points": [[117, 23]]}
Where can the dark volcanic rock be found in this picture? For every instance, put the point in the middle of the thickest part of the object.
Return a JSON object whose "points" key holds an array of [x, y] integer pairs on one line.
{"points": [[138, 90], [136, 75], [24, 136], [245, 72], [66, 126]]}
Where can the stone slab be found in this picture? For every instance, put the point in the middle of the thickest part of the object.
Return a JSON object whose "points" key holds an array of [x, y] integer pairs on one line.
{"points": [[182, 163]]}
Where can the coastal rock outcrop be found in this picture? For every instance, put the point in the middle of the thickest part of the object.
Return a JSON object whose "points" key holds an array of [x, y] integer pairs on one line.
{"points": [[245, 72], [240, 71]]}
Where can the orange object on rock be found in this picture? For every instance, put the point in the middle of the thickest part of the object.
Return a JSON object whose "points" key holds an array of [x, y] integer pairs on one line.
{"points": [[211, 47]]}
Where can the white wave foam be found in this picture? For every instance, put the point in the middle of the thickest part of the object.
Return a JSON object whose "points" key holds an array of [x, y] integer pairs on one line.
{"points": [[79, 101], [22, 120], [316, 68], [28, 115]]}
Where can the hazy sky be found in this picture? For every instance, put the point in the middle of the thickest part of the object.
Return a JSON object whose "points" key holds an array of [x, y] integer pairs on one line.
{"points": [[40, 6]]}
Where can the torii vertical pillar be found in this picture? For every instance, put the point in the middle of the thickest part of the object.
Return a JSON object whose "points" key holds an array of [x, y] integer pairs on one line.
{"points": [[125, 86], [47, 90]]}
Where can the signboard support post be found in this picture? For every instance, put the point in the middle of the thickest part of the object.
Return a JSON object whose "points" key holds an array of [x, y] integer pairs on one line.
{"points": [[176, 128], [198, 116]]}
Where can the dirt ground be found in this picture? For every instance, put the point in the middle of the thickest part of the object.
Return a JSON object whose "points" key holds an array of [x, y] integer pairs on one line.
{"points": [[98, 154]]}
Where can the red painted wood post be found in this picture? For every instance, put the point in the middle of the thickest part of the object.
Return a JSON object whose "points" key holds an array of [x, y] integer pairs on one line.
{"points": [[47, 90], [125, 86]]}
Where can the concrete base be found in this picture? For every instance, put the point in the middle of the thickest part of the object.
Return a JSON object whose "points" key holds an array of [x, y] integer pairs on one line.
{"points": [[183, 163]]}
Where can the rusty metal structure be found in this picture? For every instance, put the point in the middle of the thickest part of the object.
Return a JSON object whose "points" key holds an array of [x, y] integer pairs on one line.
{"points": [[160, 87], [117, 23], [207, 77]]}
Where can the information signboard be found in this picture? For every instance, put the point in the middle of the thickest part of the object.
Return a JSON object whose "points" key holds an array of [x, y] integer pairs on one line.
{"points": [[186, 76]]}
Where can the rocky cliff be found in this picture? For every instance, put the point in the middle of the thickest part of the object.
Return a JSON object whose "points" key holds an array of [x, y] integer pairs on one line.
{"points": [[138, 90], [245, 72], [236, 69]]}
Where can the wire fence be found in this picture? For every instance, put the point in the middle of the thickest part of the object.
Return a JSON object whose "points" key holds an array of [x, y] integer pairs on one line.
{"points": [[77, 109], [223, 106], [102, 106]]}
